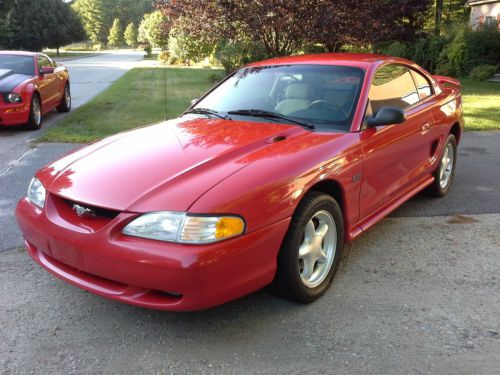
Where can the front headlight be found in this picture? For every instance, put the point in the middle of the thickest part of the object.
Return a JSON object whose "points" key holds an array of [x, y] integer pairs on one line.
{"points": [[185, 228], [37, 193], [14, 98]]}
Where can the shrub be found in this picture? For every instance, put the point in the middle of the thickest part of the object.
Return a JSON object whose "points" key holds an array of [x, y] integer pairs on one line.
{"points": [[233, 55], [164, 56], [483, 72], [148, 50], [397, 49]]}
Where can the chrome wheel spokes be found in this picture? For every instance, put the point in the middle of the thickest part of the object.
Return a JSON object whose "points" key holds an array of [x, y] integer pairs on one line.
{"points": [[447, 164], [37, 112], [317, 249]]}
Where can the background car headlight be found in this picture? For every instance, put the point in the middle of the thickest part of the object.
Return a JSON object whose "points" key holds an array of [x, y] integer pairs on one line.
{"points": [[14, 98], [37, 193], [185, 228]]}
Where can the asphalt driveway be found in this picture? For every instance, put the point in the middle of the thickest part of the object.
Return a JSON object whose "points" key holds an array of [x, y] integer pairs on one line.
{"points": [[417, 294]]}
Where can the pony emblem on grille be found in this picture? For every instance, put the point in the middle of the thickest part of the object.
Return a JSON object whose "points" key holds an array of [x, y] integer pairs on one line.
{"points": [[82, 211]]}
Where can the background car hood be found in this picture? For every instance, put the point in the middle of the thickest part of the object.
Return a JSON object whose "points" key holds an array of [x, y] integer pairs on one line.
{"points": [[162, 167], [9, 81]]}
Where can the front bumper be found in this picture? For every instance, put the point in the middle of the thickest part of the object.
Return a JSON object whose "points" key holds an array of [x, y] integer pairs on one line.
{"points": [[14, 114], [148, 273]]}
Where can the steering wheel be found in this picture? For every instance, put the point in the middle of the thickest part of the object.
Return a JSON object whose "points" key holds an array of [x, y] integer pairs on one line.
{"points": [[329, 104]]}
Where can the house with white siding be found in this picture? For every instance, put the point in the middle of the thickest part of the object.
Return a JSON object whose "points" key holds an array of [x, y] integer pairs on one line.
{"points": [[484, 12]]}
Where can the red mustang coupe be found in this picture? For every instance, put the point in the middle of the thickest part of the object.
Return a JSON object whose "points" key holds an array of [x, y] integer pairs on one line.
{"points": [[260, 182], [31, 84]]}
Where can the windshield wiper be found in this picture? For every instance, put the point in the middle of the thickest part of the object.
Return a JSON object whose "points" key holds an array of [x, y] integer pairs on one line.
{"points": [[270, 115], [208, 112]]}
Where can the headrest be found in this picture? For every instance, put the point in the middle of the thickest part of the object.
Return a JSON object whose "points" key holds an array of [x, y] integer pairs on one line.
{"points": [[297, 91]]}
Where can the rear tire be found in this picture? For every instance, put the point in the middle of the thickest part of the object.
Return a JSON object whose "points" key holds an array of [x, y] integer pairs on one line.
{"points": [[310, 253], [35, 117], [443, 176], [65, 105]]}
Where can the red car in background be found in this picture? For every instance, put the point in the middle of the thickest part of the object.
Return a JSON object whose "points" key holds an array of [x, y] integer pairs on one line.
{"points": [[259, 182], [31, 84]]}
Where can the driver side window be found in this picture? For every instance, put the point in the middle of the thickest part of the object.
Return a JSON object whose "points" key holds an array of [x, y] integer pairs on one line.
{"points": [[392, 86]]}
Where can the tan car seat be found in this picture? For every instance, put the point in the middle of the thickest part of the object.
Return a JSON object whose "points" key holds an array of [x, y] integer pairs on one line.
{"points": [[297, 99]]}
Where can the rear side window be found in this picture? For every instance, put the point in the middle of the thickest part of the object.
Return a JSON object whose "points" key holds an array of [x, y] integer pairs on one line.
{"points": [[393, 86], [423, 85], [44, 62]]}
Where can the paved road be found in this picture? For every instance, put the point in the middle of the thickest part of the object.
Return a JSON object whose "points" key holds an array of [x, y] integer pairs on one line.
{"points": [[89, 76]]}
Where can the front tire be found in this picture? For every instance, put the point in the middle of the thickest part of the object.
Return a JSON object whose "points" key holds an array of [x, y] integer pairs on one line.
{"points": [[310, 254], [35, 117], [443, 176], [65, 105]]}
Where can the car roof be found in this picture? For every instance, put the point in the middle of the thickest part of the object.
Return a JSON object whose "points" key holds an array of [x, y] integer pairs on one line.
{"points": [[361, 60], [19, 53]]}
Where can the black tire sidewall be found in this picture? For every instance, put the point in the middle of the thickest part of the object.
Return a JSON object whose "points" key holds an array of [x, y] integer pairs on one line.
{"points": [[288, 275], [31, 121], [63, 107]]}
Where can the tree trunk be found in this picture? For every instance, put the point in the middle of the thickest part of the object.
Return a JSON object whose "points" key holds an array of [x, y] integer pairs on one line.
{"points": [[57, 49], [438, 17]]}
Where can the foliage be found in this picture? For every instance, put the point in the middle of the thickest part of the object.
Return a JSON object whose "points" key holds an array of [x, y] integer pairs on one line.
{"points": [[233, 55], [148, 50], [285, 27], [153, 29], [115, 38], [483, 72], [98, 15], [29, 23], [164, 56], [91, 13], [469, 49], [130, 35], [187, 48]]}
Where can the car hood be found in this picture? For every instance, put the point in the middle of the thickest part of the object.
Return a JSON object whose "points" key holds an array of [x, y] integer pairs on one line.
{"points": [[161, 167], [10, 80]]}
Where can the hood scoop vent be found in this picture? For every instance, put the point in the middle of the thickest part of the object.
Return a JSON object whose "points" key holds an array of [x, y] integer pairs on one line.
{"points": [[278, 138]]}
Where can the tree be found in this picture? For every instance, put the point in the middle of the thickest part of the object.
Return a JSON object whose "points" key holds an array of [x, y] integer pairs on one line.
{"points": [[31, 24], [115, 38], [154, 29], [130, 35], [69, 28], [285, 27], [91, 14], [187, 48]]}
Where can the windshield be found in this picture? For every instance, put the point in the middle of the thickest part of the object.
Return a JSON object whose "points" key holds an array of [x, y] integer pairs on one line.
{"points": [[18, 64], [325, 96]]}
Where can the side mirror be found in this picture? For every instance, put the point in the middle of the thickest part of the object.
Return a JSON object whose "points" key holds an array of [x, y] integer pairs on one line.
{"points": [[46, 70], [387, 116], [194, 102]]}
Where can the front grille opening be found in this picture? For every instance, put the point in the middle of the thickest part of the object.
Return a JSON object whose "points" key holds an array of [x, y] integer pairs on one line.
{"points": [[95, 211]]}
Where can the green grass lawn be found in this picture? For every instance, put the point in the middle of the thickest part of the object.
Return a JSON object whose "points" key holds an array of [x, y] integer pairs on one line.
{"points": [[481, 102], [68, 54], [136, 99]]}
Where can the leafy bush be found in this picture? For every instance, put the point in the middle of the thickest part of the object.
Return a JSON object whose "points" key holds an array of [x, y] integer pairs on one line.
{"points": [[483, 72], [186, 48], [164, 56], [148, 50], [396, 49], [233, 55]]}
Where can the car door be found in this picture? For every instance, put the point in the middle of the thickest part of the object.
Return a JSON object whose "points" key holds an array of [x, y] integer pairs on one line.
{"points": [[47, 84], [394, 155]]}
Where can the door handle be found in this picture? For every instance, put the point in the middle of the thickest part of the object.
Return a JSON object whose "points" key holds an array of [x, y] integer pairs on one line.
{"points": [[426, 128]]}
